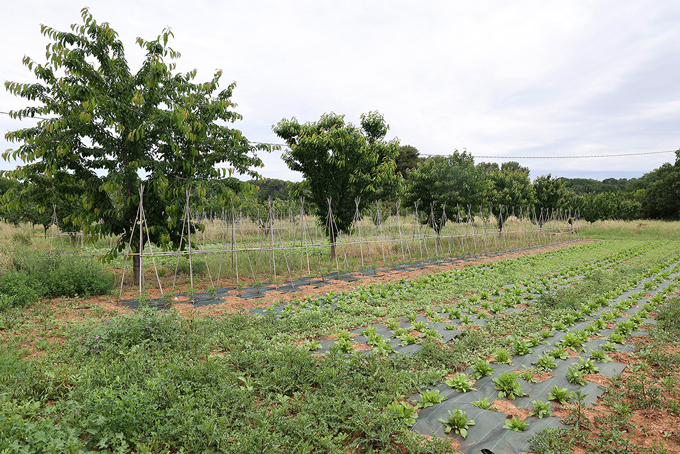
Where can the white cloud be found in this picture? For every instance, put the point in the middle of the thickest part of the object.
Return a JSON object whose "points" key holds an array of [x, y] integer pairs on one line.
{"points": [[510, 78]]}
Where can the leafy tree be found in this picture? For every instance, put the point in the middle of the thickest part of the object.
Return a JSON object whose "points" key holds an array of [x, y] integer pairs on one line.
{"points": [[441, 183], [270, 187], [509, 188], [488, 167], [661, 195], [549, 192], [513, 166], [9, 214], [341, 162], [407, 160], [108, 130]]}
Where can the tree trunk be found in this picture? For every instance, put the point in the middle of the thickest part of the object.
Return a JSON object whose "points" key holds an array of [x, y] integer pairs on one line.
{"points": [[332, 250], [136, 262], [332, 241]]}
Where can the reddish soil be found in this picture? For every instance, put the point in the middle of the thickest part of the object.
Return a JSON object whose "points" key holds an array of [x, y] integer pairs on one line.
{"points": [[510, 409]]}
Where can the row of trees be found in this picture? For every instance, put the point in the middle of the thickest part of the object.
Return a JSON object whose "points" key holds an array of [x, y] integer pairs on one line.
{"points": [[104, 131]]}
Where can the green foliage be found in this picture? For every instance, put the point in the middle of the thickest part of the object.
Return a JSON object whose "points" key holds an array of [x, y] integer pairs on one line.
{"points": [[430, 398], [562, 395], [342, 345], [509, 188], [382, 348], [484, 404], [107, 124], [552, 441], [508, 386], [482, 369], [575, 376], [144, 328], [37, 275], [457, 422], [520, 347], [572, 340], [402, 412], [542, 409], [587, 367], [341, 162], [661, 191], [527, 374], [407, 160], [407, 339], [439, 184], [460, 382], [515, 424], [545, 362], [549, 192], [501, 356]]}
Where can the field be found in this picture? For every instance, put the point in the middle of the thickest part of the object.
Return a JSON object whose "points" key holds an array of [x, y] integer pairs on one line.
{"points": [[575, 342]]}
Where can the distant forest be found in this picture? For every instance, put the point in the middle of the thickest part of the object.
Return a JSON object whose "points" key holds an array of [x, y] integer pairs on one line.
{"points": [[429, 181]]}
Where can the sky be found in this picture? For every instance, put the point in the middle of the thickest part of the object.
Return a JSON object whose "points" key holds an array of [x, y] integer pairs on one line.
{"points": [[497, 78]]}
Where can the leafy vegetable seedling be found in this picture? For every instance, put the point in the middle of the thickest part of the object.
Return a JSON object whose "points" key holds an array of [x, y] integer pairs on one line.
{"points": [[542, 409], [559, 352], [575, 376], [586, 366], [430, 398], [562, 395], [545, 362], [508, 386], [403, 412], [483, 404], [482, 369], [515, 424], [501, 356], [457, 422], [461, 383], [520, 348]]}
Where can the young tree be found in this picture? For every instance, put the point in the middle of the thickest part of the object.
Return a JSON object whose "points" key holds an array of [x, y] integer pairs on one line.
{"points": [[549, 193], [340, 162], [108, 130], [441, 183], [509, 189]]}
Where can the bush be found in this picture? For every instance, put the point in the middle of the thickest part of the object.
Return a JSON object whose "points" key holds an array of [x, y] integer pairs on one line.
{"points": [[37, 275], [198, 266]]}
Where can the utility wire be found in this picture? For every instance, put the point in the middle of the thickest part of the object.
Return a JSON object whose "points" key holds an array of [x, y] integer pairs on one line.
{"points": [[567, 157], [283, 145]]}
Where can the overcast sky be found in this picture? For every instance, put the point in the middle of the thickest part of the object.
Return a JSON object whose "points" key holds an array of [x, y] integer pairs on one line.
{"points": [[519, 78]]}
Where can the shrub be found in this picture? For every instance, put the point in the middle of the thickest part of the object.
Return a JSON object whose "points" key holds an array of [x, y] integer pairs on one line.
{"points": [[198, 266], [36, 275]]}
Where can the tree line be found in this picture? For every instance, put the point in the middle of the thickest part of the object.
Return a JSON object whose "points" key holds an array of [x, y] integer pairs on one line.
{"points": [[103, 131]]}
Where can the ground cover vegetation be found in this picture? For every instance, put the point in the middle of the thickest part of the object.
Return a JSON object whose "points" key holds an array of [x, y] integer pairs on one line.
{"points": [[295, 376], [153, 381]]}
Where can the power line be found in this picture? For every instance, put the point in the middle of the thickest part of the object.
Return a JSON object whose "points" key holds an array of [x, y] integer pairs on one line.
{"points": [[284, 145], [567, 157]]}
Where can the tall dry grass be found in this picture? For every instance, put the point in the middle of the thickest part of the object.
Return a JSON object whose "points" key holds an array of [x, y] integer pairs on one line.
{"points": [[639, 229]]}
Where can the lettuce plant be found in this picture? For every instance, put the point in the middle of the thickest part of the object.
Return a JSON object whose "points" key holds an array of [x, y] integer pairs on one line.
{"points": [[461, 383], [541, 409], [403, 412], [430, 398], [508, 386], [482, 369], [562, 395], [515, 424], [457, 422]]}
